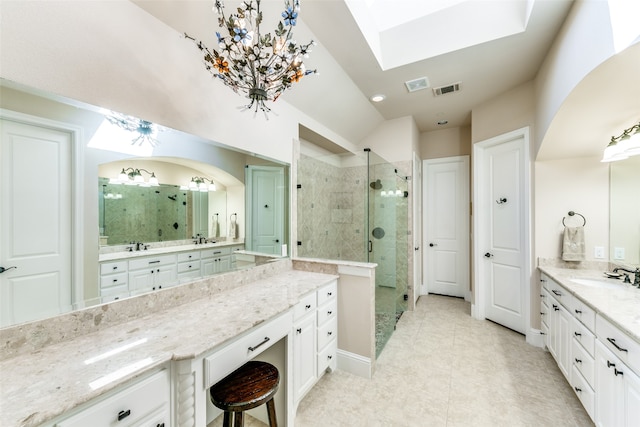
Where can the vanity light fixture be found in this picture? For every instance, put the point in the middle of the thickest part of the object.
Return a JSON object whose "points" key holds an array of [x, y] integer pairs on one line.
{"points": [[199, 183], [262, 66], [623, 146], [144, 131], [133, 176]]}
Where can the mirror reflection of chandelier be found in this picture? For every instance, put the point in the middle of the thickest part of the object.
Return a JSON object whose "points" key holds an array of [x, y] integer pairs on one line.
{"points": [[259, 65], [144, 131], [133, 176], [199, 183]]}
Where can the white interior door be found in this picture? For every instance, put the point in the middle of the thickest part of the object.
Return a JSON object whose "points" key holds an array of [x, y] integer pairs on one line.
{"points": [[417, 227], [35, 221], [264, 205], [502, 224], [446, 219]]}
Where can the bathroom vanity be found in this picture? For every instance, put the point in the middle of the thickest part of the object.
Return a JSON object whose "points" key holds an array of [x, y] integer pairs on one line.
{"points": [[154, 368], [591, 326]]}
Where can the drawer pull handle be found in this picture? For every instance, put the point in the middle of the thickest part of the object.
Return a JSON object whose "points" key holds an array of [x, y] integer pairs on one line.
{"points": [[329, 294], [115, 280], [329, 333], [217, 252], [329, 357], [613, 342], [578, 334], [578, 311], [542, 313], [329, 312], [542, 333], [578, 389], [556, 308], [264, 341], [557, 293], [123, 414], [578, 360], [609, 364], [307, 307], [299, 330], [615, 371], [154, 262], [115, 268]]}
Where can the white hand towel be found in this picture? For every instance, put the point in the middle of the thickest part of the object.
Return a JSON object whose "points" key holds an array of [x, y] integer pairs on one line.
{"points": [[573, 244], [215, 226], [233, 228]]}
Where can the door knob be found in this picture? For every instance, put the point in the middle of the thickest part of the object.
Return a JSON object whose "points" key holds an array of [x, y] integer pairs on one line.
{"points": [[432, 244], [2, 269], [488, 255]]}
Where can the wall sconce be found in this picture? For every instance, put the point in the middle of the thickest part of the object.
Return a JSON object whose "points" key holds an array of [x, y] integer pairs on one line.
{"points": [[199, 183], [623, 146], [133, 176]]}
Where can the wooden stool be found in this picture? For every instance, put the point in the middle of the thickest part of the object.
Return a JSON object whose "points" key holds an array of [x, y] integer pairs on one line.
{"points": [[248, 387]]}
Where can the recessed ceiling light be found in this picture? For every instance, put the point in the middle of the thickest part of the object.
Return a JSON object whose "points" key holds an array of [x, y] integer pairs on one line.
{"points": [[443, 122], [378, 98]]}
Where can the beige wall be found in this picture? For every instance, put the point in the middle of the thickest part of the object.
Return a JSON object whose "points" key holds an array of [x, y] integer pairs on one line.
{"points": [[445, 143], [394, 140]]}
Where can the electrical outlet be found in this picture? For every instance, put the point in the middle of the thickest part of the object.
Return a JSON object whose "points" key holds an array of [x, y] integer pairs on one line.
{"points": [[599, 252], [618, 253]]}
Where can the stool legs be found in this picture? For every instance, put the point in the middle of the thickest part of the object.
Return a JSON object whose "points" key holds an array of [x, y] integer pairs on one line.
{"points": [[271, 412]]}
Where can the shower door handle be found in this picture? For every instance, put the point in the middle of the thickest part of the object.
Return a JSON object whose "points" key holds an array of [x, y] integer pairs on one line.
{"points": [[370, 246]]}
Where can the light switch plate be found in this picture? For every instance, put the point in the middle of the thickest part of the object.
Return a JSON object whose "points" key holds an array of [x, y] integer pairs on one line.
{"points": [[618, 253], [599, 252]]}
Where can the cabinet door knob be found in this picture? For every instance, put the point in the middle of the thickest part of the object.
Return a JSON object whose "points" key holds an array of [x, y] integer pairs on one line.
{"points": [[299, 330]]}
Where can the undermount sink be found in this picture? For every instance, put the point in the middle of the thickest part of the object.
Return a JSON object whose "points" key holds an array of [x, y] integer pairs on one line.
{"points": [[596, 283]]}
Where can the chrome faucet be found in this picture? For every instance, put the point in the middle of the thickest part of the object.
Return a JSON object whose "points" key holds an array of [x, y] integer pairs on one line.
{"points": [[636, 272]]}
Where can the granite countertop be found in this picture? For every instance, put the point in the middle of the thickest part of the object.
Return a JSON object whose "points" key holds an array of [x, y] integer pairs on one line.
{"points": [[619, 302], [47, 383], [161, 250]]}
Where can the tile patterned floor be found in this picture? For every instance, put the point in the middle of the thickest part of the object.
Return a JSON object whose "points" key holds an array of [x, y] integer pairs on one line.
{"points": [[443, 368]]}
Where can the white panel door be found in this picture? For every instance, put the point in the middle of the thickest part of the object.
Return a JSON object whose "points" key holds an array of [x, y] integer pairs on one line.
{"points": [[264, 205], [417, 227], [35, 222], [446, 215], [503, 234]]}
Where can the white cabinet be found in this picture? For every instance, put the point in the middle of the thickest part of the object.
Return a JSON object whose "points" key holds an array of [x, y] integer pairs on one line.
{"points": [[327, 327], [145, 403], [113, 280], [152, 273], [215, 260], [558, 322], [304, 345]]}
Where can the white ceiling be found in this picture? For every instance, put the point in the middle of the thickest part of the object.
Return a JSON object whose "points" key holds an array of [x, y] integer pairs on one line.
{"points": [[486, 70]]}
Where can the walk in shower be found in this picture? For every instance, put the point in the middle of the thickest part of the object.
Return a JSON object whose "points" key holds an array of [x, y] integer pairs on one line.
{"points": [[354, 207]]}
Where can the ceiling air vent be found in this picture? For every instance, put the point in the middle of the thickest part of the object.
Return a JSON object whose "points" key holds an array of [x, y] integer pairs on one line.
{"points": [[417, 84], [443, 90]]}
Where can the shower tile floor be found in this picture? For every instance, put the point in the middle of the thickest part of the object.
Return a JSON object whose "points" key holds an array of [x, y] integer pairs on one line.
{"points": [[443, 368]]}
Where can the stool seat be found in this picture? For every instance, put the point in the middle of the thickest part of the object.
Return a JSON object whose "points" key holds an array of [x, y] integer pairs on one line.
{"points": [[248, 387]]}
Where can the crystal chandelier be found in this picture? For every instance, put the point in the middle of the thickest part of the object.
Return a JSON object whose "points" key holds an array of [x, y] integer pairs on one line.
{"points": [[262, 66], [145, 131]]}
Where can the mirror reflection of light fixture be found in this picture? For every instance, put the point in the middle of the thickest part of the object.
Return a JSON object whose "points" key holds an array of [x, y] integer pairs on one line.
{"points": [[133, 176], [623, 146], [199, 183], [260, 65], [145, 131]]}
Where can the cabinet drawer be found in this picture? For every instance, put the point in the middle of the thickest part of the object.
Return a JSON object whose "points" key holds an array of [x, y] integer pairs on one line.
{"points": [[583, 313], [584, 336], [235, 354], [619, 343], [328, 358], [215, 252], [544, 312], [583, 391], [560, 294], [114, 291], [327, 292], [327, 311], [583, 361], [113, 267], [188, 256], [111, 280], [306, 305], [189, 266], [327, 333], [130, 405], [152, 261]]}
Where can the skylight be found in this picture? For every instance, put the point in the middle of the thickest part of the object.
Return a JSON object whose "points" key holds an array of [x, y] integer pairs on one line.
{"points": [[400, 32]]}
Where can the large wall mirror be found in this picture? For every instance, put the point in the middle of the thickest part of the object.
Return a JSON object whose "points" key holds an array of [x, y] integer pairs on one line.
{"points": [[624, 233], [64, 203]]}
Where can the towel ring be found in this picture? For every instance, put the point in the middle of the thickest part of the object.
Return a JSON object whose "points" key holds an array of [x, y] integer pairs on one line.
{"points": [[572, 213]]}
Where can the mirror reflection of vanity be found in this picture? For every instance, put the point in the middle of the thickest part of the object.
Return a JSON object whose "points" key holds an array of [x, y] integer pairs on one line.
{"points": [[170, 222], [624, 216]]}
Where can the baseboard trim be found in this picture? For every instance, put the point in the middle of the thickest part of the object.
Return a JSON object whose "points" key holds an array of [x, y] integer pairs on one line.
{"points": [[535, 338], [354, 364]]}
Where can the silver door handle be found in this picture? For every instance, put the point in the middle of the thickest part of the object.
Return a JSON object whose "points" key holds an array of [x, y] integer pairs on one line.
{"points": [[2, 269]]}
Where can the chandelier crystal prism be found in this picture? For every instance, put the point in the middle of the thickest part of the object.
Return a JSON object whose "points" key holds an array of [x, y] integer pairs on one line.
{"points": [[261, 66]]}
